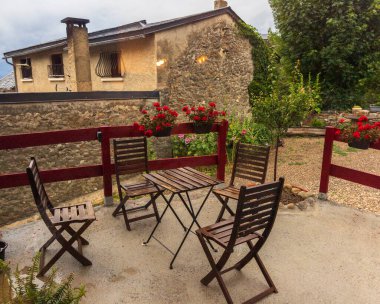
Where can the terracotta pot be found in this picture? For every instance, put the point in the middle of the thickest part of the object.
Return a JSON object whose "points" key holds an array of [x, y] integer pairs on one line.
{"points": [[163, 133], [202, 128], [359, 144]]}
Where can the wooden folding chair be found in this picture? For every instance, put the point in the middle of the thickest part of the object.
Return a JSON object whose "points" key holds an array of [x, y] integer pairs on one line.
{"points": [[131, 157], [255, 215], [58, 221], [250, 164]]}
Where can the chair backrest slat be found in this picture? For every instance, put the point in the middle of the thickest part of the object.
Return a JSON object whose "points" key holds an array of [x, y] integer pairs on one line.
{"points": [[130, 156], [251, 163], [256, 211], [39, 193]]}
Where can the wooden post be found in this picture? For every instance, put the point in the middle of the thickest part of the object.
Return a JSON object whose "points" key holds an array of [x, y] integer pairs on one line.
{"points": [[106, 166], [222, 153], [326, 162]]}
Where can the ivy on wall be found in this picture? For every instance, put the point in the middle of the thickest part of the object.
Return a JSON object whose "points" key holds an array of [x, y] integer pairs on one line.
{"points": [[261, 60]]}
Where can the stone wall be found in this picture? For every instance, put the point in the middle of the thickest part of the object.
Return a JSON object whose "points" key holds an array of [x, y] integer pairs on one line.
{"points": [[16, 203], [223, 77]]}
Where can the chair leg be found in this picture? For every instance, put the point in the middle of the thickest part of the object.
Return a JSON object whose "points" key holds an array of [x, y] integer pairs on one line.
{"points": [[71, 231], [66, 246], [121, 204], [215, 272], [225, 207], [153, 200], [124, 210], [265, 273]]}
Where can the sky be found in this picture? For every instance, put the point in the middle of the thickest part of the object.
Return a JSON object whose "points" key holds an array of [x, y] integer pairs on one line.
{"points": [[29, 22]]}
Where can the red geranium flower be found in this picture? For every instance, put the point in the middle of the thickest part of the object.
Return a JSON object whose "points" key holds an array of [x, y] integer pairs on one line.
{"points": [[196, 118], [243, 132], [144, 111], [204, 118], [136, 125], [185, 109], [363, 118], [193, 109], [158, 128], [223, 113], [174, 113], [367, 136], [188, 112], [156, 104], [141, 128], [356, 134], [201, 109], [148, 133], [165, 108], [158, 109], [212, 104], [341, 120], [337, 132], [168, 124]]}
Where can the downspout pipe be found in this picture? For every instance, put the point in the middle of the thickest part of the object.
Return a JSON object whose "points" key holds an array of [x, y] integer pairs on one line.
{"points": [[14, 71]]}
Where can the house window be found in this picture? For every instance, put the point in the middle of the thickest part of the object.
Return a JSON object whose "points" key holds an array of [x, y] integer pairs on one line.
{"points": [[26, 68], [108, 65], [55, 70]]}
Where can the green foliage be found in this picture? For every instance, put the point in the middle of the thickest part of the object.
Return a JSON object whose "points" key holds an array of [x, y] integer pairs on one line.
{"points": [[194, 144], [340, 40], [289, 102], [260, 58], [26, 291], [317, 123]]}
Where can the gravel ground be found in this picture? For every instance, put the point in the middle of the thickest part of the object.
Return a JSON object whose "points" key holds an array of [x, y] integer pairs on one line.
{"points": [[300, 162]]}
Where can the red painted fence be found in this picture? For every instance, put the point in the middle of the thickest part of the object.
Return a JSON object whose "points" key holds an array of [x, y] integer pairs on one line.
{"points": [[329, 169], [106, 168]]}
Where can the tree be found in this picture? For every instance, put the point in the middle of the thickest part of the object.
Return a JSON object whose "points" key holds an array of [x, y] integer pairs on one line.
{"points": [[288, 104], [338, 39]]}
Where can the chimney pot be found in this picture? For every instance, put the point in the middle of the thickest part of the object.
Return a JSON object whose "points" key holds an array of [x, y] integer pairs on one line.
{"points": [[220, 4]]}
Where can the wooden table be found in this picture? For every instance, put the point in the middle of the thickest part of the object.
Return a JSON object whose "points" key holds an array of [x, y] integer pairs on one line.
{"points": [[180, 182]]}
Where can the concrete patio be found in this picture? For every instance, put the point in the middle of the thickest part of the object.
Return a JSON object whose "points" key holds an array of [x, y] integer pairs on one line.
{"points": [[326, 254]]}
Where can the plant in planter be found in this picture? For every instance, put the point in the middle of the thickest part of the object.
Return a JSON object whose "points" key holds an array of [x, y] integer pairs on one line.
{"points": [[23, 289], [203, 116], [158, 121], [360, 134]]}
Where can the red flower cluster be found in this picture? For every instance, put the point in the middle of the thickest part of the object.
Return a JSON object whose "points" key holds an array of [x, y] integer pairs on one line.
{"points": [[202, 114], [362, 130], [163, 117]]}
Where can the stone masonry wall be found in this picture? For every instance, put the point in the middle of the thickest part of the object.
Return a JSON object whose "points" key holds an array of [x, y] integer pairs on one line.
{"points": [[16, 203], [223, 77]]}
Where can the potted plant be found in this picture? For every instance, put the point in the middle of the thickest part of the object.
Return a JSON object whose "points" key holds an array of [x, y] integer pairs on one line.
{"points": [[203, 116], [158, 121], [360, 134]]}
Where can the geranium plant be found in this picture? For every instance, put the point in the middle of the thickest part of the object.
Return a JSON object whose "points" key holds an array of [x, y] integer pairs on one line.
{"points": [[362, 132], [157, 121], [203, 116]]}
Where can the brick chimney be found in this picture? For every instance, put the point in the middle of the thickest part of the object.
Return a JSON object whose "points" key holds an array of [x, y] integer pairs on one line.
{"points": [[78, 64], [220, 4]]}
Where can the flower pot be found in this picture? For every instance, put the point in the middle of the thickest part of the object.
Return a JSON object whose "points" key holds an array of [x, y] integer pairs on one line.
{"points": [[359, 144], [163, 132], [202, 128], [3, 246]]}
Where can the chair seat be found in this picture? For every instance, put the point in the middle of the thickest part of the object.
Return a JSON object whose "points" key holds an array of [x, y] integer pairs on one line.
{"points": [[229, 191], [73, 214], [221, 233], [143, 188]]}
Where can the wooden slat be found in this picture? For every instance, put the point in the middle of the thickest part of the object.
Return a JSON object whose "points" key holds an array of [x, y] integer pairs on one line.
{"points": [[172, 182], [132, 140], [90, 209], [122, 146], [253, 216], [73, 213], [206, 179], [254, 174], [81, 211], [203, 175], [177, 180], [65, 214], [262, 187], [188, 178], [255, 227], [158, 181], [248, 177], [261, 194], [257, 209], [57, 215]]}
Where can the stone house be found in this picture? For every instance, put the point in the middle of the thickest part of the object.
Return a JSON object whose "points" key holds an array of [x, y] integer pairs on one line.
{"points": [[197, 57]]}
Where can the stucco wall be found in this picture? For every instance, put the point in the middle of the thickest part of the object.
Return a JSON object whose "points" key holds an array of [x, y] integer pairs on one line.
{"points": [[16, 203], [40, 81], [225, 75], [138, 66]]}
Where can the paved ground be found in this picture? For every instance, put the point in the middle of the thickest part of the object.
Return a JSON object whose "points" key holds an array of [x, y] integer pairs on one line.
{"points": [[327, 254]]}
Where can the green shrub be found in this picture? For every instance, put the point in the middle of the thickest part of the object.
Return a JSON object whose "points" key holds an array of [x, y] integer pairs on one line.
{"points": [[317, 123], [26, 291], [194, 144]]}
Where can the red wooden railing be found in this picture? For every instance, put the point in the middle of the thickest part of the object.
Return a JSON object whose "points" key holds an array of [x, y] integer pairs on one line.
{"points": [[106, 168], [329, 169]]}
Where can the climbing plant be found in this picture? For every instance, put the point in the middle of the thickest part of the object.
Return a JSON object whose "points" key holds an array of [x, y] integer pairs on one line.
{"points": [[260, 84]]}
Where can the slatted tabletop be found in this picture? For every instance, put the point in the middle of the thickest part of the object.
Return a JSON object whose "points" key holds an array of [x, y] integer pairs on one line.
{"points": [[181, 179]]}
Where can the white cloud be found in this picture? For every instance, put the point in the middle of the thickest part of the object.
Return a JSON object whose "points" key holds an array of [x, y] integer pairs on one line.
{"points": [[26, 22]]}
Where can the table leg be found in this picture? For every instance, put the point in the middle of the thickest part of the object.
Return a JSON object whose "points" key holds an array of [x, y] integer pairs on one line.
{"points": [[194, 216]]}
